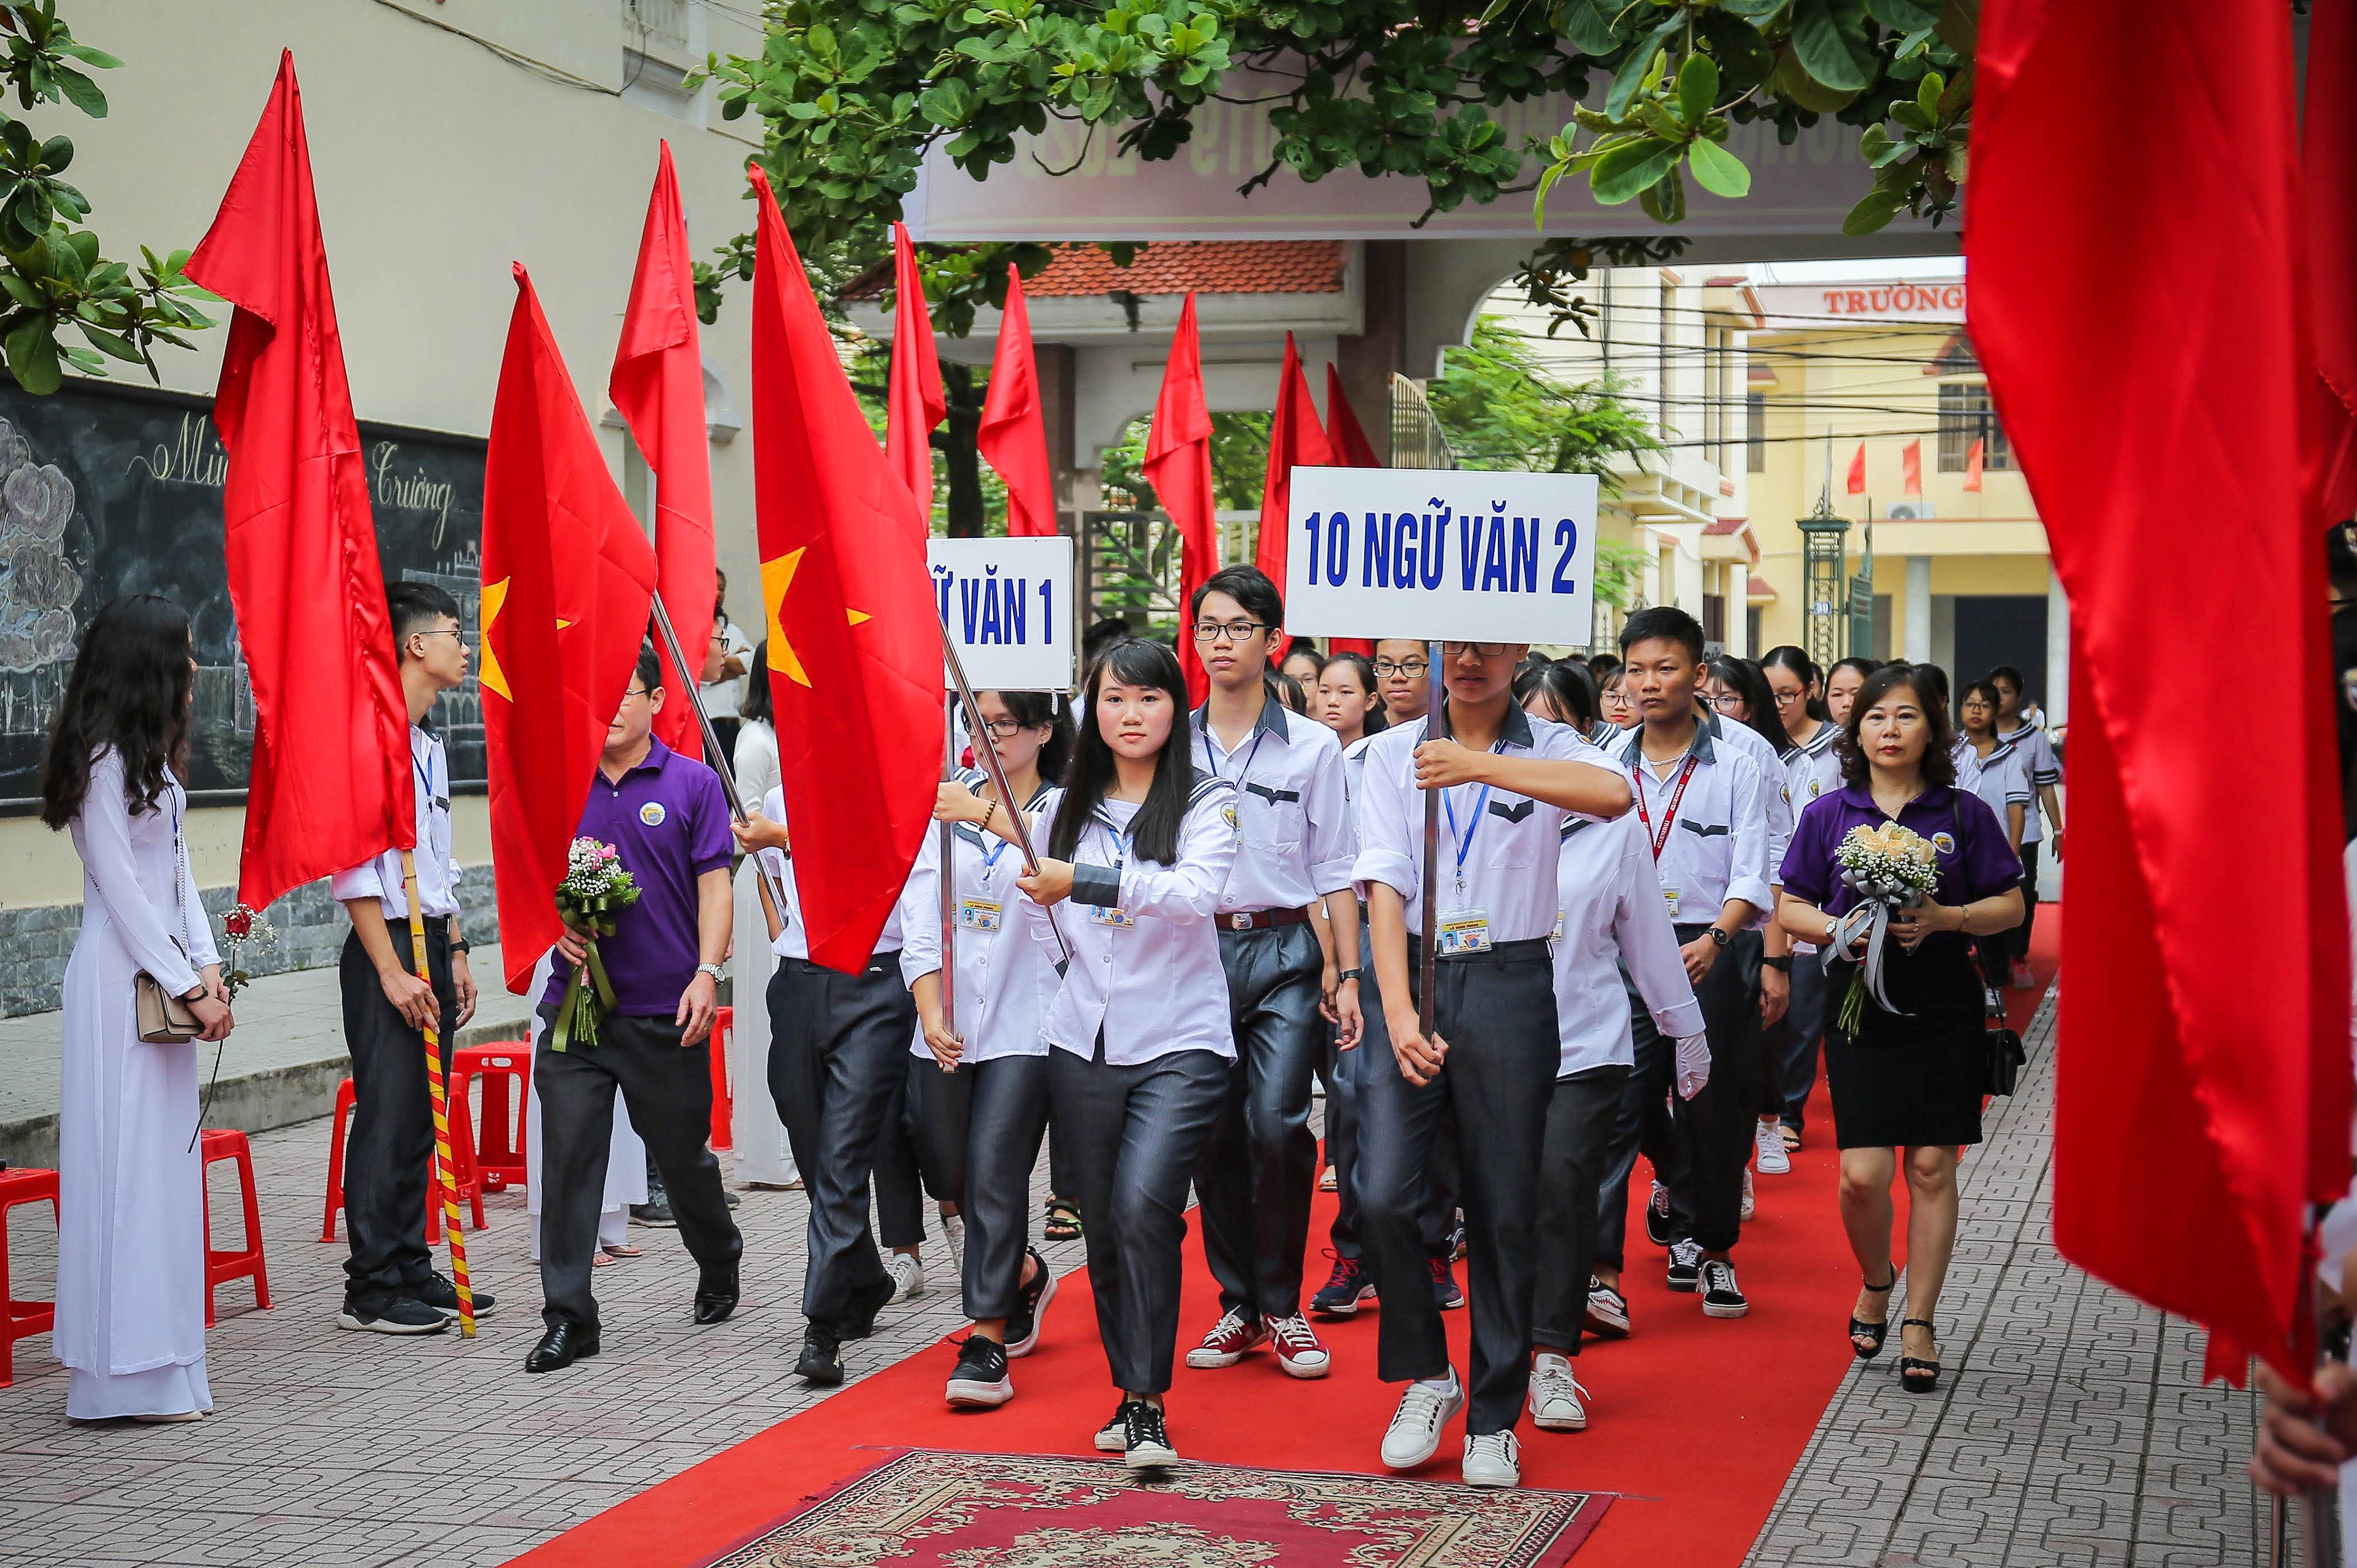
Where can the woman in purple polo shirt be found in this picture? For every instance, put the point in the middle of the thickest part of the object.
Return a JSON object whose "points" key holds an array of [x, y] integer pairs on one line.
{"points": [[1909, 1079]]}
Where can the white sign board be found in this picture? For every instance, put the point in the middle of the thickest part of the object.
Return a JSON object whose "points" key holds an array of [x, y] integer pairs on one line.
{"points": [[1441, 553], [1007, 604]]}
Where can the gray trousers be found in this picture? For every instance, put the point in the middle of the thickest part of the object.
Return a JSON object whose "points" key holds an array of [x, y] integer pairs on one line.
{"points": [[1716, 1127], [1260, 1165], [668, 1090], [1497, 1012], [1580, 1119], [1371, 1057], [1132, 1134], [1643, 1122], [838, 1069], [389, 1159], [979, 1128]]}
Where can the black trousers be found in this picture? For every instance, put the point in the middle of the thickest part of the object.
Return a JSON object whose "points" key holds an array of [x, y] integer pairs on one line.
{"points": [[1133, 1135], [838, 1071], [388, 1160], [1260, 1165], [1810, 1012], [1580, 1119], [1371, 1057], [1497, 1013], [1643, 1126], [1715, 1128], [2020, 933], [904, 1176], [979, 1128], [668, 1091]]}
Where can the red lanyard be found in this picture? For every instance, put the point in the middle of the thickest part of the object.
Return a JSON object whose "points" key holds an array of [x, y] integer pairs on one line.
{"points": [[1669, 817]]}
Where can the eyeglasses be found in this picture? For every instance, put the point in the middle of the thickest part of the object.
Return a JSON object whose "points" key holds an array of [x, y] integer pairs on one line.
{"points": [[1729, 703], [1786, 699], [635, 691], [441, 631], [1391, 667], [1005, 729], [1226, 631], [1486, 650]]}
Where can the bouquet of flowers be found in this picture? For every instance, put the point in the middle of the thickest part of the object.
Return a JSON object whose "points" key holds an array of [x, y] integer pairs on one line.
{"points": [[1888, 867], [245, 927], [596, 888]]}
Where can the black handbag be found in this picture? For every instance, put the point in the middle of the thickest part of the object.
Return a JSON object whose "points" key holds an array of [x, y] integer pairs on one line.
{"points": [[2006, 1059]]}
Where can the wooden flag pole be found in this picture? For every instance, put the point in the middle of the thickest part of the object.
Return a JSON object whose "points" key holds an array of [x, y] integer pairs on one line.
{"points": [[445, 1174], [1435, 727], [719, 764], [947, 843]]}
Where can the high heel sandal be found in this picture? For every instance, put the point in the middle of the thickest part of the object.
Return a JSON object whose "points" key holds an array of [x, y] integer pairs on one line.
{"points": [[1876, 1332], [1917, 1375]]}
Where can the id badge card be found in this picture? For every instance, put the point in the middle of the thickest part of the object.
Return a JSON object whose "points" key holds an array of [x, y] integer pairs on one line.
{"points": [[1557, 934], [1464, 931], [979, 914], [1672, 895], [1110, 915]]}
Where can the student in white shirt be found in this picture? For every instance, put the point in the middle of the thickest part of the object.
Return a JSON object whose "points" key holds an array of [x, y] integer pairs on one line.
{"points": [[2000, 776], [390, 1285], [979, 1091], [2038, 760], [1701, 801], [1507, 781], [1743, 708], [762, 1157], [1138, 849], [1287, 966], [1812, 768]]}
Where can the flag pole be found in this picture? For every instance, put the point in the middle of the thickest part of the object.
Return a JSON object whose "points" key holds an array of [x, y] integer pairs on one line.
{"points": [[712, 745], [445, 1175], [948, 840], [987, 750], [1435, 727]]}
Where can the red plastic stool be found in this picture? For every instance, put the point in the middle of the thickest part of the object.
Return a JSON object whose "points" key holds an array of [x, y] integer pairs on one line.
{"points": [[505, 1068], [221, 1267], [468, 1179], [724, 1108], [22, 1319], [336, 1159], [462, 1155]]}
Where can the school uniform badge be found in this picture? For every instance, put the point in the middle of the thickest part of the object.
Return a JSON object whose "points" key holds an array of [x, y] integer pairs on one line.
{"points": [[1944, 842], [1228, 813], [652, 813]]}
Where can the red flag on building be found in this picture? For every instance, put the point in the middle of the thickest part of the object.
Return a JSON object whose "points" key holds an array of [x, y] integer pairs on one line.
{"points": [[1179, 466], [855, 640], [1858, 472], [657, 386], [914, 401], [1348, 443], [2328, 150], [1910, 468], [1973, 468], [329, 782], [1295, 441], [2161, 1046], [1014, 434], [569, 581]]}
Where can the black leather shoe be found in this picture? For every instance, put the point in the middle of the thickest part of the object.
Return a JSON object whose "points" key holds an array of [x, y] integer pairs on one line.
{"points": [[563, 1344], [715, 1295], [859, 1321], [822, 1359]]}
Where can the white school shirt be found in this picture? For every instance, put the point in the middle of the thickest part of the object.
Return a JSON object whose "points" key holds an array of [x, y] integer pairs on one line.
{"points": [[1154, 987], [1355, 778], [1613, 915], [1998, 778], [793, 936], [1293, 806], [2037, 761], [1004, 978], [1970, 766], [724, 699], [1812, 769], [437, 868], [1717, 846], [1775, 789], [1510, 843]]}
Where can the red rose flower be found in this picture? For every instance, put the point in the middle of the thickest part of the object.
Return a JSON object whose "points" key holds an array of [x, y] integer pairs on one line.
{"points": [[239, 922]]}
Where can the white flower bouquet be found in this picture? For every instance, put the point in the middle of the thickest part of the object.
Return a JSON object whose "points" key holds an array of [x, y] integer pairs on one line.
{"points": [[1888, 867], [594, 890]]}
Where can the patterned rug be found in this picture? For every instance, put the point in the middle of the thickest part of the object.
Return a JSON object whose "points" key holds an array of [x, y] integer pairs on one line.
{"points": [[928, 1508]]}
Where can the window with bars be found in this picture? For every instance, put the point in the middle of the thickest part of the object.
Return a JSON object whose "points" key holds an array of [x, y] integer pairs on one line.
{"points": [[1755, 432], [1965, 417]]}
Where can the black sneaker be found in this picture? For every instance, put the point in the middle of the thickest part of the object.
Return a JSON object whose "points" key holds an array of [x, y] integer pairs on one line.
{"points": [[1445, 1294], [1146, 1441], [654, 1212], [1685, 1266], [1345, 1290], [391, 1315], [442, 1295], [1721, 1298], [1657, 1216], [822, 1359], [1031, 1306], [725, 1197], [1114, 1436], [980, 1376], [859, 1322]]}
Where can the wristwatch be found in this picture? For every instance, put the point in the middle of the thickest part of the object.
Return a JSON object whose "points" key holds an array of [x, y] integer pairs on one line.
{"points": [[459, 945], [1352, 974], [714, 969], [1717, 936], [1784, 963]]}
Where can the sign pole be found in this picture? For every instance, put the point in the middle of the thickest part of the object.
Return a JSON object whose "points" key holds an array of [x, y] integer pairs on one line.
{"points": [[948, 879], [1435, 727], [446, 1173]]}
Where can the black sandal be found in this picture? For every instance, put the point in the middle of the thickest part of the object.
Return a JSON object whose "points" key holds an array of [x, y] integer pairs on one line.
{"points": [[1916, 1375], [1875, 1332], [1064, 1222]]}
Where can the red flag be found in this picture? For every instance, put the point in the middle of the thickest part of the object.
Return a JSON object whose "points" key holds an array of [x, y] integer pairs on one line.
{"points": [[914, 404], [2328, 150], [1295, 441], [569, 578], [1910, 468], [1343, 437], [1179, 466], [330, 784], [1858, 472], [657, 386], [1973, 468], [2161, 1046], [1014, 434], [855, 640]]}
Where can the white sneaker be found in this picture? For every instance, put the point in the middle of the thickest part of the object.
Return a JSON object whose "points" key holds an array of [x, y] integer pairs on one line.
{"points": [[1770, 1156], [1748, 1206], [1557, 1402], [908, 1278], [1413, 1436], [954, 1232], [1493, 1459]]}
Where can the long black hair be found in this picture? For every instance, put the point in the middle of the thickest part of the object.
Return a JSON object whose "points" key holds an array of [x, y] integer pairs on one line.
{"points": [[1154, 830], [758, 703], [130, 690], [1037, 709], [1358, 664], [1939, 751], [1570, 691], [1788, 656], [1753, 688]]}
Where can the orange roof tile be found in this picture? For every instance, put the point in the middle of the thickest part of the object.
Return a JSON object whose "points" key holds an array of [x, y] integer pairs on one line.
{"points": [[1169, 267]]}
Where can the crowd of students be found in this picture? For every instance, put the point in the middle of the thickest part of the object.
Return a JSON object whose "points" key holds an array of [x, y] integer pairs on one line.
{"points": [[1169, 923]]}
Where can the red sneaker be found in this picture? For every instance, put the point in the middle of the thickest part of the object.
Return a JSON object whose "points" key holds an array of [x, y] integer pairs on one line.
{"points": [[1231, 1339], [1298, 1349]]}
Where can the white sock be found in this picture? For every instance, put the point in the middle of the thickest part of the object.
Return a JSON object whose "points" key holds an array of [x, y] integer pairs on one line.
{"points": [[1550, 1362], [1446, 1385]]}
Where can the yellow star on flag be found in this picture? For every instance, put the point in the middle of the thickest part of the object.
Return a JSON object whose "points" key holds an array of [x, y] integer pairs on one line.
{"points": [[489, 676], [777, 576]]}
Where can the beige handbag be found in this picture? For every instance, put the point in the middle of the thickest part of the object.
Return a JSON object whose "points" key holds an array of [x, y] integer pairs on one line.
{"points": [[165, 1019]]}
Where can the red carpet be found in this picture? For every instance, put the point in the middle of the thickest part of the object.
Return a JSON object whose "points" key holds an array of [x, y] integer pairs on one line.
{"points": [[1696, 1422]]}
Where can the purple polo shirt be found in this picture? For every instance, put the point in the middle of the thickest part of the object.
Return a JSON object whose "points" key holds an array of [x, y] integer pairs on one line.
{"points": [[670, 820], [1965, 835]]}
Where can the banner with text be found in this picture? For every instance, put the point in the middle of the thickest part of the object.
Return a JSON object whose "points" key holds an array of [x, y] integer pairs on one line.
{"points": [[1007, 604], [1443, 553]]}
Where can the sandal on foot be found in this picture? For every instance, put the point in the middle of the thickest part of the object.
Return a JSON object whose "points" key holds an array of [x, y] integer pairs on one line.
{"points": [[1791, 1140], [1064, 1221], [1872, 1333], [1917, 1375]]}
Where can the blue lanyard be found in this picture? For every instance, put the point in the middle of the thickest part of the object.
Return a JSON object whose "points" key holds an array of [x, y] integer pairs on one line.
{"points": [[1211, 752], [1464, 841], [425, 780]]}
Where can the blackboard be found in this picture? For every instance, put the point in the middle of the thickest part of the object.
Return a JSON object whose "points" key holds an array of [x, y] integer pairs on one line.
{"points": [[108, 489]]}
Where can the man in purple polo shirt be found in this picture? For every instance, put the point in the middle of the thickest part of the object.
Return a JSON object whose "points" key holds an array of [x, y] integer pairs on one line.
{"points": [[669, 820]]}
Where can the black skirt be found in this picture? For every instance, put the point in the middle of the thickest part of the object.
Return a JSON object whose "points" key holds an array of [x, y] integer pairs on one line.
{"points": [[1912, 1077]]}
